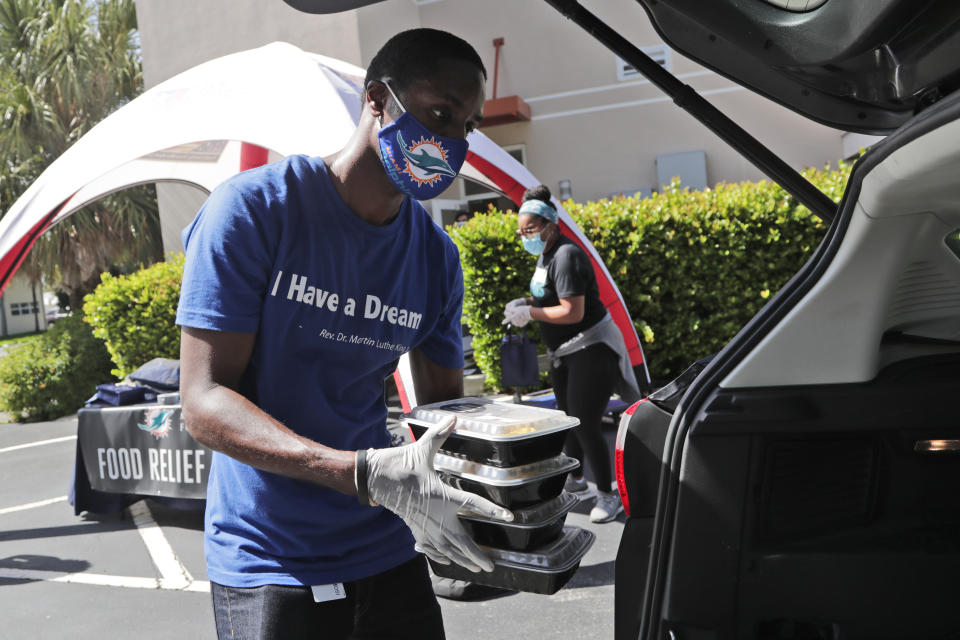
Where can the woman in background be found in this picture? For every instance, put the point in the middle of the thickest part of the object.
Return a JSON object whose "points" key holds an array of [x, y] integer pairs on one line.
{"points": [[587, 352]]}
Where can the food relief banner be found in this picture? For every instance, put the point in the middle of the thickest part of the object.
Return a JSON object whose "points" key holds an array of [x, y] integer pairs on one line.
{"points": [[142, 450]]}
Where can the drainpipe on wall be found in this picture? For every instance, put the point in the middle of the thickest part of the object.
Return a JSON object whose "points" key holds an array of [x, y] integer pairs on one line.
{"points": [[3, 314], [497, 43]]}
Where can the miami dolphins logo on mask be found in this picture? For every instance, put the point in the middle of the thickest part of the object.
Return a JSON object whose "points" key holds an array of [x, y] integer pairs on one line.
{"points": [[426, 160], [426, 167]]}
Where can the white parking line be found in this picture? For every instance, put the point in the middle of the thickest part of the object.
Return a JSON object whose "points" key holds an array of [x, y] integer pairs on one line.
{"points": [[100, 580], [173, 575], [32, 505], [38, 443]]}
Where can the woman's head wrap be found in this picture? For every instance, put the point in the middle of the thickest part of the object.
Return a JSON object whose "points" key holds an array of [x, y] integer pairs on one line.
{"points": [[539, 208]]}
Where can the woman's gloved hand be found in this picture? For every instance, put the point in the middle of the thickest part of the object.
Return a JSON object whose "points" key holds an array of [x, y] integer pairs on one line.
{"points": [[518, 316], [403, 480], [515, 302]]}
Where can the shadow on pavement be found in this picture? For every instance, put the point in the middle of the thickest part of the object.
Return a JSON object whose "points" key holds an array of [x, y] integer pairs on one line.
{"points": [[39, 563], [67, 530], [173, 517], [593, 575], [464, 591]]}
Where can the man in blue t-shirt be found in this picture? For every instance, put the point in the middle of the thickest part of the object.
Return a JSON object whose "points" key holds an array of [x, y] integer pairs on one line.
{"points": [[305, 281]]}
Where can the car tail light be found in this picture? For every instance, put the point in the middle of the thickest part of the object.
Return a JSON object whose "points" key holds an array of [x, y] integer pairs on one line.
{"points": [[618, 455]]}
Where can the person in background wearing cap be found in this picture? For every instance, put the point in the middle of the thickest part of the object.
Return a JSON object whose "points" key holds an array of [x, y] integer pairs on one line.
{"points": [[305, 281], [587, 352]]}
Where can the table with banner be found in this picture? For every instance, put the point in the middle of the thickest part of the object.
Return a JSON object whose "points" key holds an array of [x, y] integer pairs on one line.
{"points": [[130, 452]]}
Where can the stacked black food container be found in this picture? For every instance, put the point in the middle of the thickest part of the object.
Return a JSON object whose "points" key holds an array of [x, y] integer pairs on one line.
{"points": [[512, 455]]}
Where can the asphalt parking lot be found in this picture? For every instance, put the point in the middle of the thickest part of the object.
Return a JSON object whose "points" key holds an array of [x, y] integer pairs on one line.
{"points": [[141, 574]]}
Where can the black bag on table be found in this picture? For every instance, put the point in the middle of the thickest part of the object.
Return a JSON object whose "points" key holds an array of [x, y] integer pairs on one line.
{"points": [[162, 374], [518, 360]]}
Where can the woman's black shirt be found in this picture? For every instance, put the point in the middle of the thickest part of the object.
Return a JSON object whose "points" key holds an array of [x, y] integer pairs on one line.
{"points": [[565, 272]]}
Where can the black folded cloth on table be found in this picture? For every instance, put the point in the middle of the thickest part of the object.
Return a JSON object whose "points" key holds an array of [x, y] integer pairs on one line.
{"points": [[116, 395], [160, 375]]}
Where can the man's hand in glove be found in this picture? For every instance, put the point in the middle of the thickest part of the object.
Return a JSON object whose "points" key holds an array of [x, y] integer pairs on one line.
{"points": [[403, 480], [518, 315]]}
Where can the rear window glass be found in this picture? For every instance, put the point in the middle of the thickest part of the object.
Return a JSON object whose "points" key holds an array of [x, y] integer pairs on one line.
{"points": [[953, 242]]}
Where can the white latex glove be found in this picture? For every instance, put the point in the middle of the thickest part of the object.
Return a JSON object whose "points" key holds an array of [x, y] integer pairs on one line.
{"points": [[518, 316], [515, 302], [403, 480]]}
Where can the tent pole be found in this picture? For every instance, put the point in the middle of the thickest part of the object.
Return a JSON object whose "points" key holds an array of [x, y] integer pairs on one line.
{"points": [[711, 117]]}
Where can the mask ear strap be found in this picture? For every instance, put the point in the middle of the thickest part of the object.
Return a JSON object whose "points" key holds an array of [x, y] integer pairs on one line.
{"points": [[395, 98], [545, 228]]}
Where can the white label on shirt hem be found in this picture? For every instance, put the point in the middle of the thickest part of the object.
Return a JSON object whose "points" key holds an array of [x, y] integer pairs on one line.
{"points": [[327, 592]]}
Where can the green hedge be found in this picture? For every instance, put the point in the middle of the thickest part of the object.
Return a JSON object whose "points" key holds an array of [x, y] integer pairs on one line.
{"points": [[692, 266], [496, 270], [135, 315], [53, 374]]}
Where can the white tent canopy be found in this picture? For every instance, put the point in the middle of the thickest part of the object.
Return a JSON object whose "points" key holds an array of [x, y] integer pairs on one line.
{"points": [[277, 97], [186, 130]]}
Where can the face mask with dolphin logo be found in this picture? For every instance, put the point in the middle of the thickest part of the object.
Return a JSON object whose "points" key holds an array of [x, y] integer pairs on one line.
{"points": [[420, 163]]}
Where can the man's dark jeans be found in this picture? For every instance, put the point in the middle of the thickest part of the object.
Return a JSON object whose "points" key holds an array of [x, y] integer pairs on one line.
{"points": [[395, 604]]}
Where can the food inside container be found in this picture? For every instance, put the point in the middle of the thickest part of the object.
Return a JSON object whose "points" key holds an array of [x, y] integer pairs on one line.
{"points": [[493, 433], [543, 570], [510, 487], [531, 527]]}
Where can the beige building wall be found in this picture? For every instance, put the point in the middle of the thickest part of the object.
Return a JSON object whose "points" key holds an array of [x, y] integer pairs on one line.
{"points": [[176, 35], [588, 126]]}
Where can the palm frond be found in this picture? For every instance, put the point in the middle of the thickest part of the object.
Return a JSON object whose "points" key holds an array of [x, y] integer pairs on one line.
{"points": [[65, 65]]}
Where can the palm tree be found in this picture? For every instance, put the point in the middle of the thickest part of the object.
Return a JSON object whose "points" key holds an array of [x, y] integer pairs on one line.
{"points": [[64, 66]]}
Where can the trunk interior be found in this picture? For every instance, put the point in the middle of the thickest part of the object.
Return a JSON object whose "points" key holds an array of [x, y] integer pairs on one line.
{"points": [[813, 487]]}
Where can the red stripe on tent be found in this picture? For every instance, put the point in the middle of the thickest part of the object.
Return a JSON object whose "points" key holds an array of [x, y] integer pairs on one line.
{"points": [[252, 155], [510, 187], [12, 260]]}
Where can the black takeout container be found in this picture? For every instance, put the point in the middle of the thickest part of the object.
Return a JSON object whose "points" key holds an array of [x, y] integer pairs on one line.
{"points": [[531, 527], [511, 487], [543, 570], [495, 433]]}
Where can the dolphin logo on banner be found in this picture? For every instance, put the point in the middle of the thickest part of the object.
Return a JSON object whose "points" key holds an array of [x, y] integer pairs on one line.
{"points": [[157, 422]]}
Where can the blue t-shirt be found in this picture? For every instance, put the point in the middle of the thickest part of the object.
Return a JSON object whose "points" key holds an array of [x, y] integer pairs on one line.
{"points": [[334, 302]]}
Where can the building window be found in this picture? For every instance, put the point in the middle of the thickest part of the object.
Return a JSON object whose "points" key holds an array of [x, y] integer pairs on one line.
{"points": [[660, 54], [23, 308]]}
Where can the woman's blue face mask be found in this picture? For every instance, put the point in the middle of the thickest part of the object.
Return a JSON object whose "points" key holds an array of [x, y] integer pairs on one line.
{"points": [[531, 236], [420, 163], [534, 244]]}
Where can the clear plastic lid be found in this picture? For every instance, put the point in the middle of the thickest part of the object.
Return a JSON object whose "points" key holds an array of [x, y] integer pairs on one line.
{"points": [[554, 557], [484, 418], [504, 476], [168, 398], [535, 516]]}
